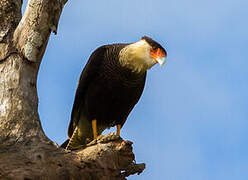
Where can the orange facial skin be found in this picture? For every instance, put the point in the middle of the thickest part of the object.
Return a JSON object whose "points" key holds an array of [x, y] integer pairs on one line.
{"points": [[157, 53]]}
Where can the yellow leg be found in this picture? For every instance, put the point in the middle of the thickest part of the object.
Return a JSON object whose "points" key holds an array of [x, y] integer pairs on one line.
{"points": [[94, 128], [118, 131]]}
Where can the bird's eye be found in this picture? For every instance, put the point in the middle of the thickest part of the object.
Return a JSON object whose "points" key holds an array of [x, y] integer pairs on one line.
{"points": [[153, 49]]}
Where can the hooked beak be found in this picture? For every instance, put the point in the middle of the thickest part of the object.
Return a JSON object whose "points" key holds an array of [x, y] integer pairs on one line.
{"points": [[158, 55], [161, 61]]}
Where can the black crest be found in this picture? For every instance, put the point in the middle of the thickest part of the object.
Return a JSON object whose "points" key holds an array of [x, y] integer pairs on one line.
{"points": [[153, 43]]}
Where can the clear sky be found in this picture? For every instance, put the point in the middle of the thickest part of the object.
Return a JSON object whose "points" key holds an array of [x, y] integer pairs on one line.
{"points": [[192, 120]]}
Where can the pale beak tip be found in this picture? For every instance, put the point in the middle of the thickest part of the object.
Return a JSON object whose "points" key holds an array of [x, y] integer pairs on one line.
{"points": [[161, 61]]}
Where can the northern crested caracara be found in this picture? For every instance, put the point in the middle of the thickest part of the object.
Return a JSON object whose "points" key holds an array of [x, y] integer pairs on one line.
{"points": [[109, 87]]}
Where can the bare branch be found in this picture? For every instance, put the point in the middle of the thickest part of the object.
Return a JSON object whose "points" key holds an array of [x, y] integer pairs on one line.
{"points": [[110, 160], [40, 18]]}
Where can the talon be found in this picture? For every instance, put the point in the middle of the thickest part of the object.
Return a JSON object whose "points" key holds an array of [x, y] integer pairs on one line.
{"points": [[99, 137]]}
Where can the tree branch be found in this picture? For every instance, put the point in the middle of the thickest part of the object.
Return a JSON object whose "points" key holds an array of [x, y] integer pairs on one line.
{"points": [[104, 160], [19, 119], [32, 34]]}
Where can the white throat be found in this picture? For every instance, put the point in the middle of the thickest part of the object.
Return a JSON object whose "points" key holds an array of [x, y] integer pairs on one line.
{"points": [[136, 56]]}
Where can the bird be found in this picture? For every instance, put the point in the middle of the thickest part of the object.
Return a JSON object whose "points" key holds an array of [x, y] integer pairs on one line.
{"points": [[109, 87]]}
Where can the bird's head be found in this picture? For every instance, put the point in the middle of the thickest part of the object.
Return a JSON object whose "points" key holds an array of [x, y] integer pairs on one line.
{"points": [[142, 55]]}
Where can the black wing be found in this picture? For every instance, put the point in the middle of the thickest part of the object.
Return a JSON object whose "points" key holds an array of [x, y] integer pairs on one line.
{"points": [[89, 72]]}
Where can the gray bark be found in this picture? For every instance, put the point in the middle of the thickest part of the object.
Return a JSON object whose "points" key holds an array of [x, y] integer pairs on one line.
{"points": [[25, 151]]}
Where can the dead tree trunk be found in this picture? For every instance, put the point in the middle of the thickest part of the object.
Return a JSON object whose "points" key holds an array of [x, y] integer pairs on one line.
{"points": [[25, 151]]}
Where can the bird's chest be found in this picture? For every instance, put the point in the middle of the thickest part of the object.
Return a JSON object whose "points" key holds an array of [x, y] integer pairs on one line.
{"points": [[112, 92], [113, 89], [109, 101]]}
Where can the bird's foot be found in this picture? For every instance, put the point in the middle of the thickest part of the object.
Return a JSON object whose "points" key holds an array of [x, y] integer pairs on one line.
{"points": [[109, 137], [104, 139]]}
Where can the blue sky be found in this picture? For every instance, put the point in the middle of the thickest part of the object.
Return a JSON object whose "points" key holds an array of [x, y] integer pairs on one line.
{"points": [[191, 122]]}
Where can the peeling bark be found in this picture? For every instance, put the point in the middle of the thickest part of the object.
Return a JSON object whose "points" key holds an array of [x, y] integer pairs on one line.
{"points": [[25, 151]]}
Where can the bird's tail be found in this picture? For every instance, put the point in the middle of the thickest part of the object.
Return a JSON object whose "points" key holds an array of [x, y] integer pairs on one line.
{"points": [[74, 141], [77, 140], [81, 135]]}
